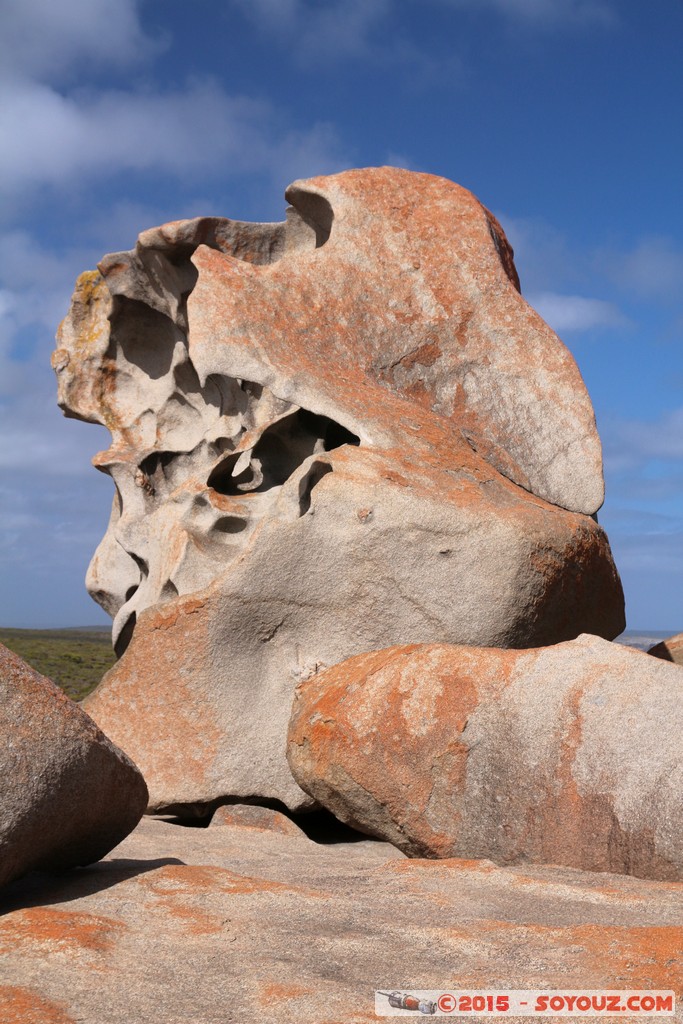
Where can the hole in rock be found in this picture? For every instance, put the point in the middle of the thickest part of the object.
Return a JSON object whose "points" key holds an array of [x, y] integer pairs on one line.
{"points": [[320, 826], [168, 591], [314, 210], [252, 389], [323, 828], [281, 449], [125, 636], [141, 564], [152, 474], [230, 524], [315, 474], [146, 338]]}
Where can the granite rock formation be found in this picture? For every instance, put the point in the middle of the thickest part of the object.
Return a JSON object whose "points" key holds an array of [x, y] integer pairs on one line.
{"points": [[568, 755], [68, 795], [232, 924], [329, 435]]}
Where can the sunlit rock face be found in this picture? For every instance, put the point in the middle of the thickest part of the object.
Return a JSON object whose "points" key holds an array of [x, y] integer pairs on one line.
{"points": [[515, 756], [329, 435]]}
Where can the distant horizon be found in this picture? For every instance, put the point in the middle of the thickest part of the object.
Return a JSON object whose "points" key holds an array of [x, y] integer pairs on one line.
{"points": [[106, 626]]}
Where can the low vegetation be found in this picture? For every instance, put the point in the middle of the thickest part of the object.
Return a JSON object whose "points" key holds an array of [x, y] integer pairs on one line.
{"points": [[74, 659]]}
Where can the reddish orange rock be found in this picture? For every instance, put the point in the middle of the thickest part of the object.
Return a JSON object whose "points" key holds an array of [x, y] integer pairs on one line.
{"points": [[568, 754]]}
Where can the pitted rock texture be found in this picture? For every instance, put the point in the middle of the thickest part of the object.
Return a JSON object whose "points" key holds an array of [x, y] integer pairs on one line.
{"points": [[669, 650], [231, 924], [568, 755], [316, 431], [68, 795]]}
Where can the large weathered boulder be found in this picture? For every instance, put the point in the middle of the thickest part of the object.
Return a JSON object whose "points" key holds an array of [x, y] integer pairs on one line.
{"points": [[570, 754], [68, 795], [669, 650], [329, 435], [248, 924]]}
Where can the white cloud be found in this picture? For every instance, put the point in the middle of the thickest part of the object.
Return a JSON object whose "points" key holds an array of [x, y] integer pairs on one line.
{"points": [[319, 33], [548, 14], [42, 39], [652, 269], [543, 257], [633, 441], [576, 312], [47, 138]]}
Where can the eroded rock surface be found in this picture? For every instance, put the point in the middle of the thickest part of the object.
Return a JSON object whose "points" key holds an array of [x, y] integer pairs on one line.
{"points": [[68, 795], [328, 435], [569, 754], [233, 924]]}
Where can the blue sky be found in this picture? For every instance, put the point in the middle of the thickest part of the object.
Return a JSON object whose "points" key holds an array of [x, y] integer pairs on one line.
{"points": [[562, 116]]}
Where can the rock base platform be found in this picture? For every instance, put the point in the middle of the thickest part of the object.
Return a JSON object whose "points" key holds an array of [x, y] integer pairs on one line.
{"points": [[241, 922]]}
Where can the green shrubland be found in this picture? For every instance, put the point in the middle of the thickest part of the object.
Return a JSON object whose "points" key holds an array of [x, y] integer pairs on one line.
{"points": [[74, 659]]}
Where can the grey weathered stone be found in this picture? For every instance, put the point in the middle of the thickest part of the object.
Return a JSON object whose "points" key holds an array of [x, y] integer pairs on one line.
{"points": [[68, 795]]}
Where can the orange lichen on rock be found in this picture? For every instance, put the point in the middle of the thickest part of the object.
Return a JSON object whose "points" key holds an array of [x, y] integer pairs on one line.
{"points": [[21, 1006], [59, 929], [647, 957], [276, 993], [188, 880], [507, 755]]}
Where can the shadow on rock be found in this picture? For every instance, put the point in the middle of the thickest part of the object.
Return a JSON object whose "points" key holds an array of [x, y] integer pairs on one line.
{"points": [[42, 888]]}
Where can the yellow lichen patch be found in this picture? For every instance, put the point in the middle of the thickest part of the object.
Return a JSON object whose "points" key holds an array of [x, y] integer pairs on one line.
{"points": [[20, 1006], [90, 293], [59, 929], [87, 285]]}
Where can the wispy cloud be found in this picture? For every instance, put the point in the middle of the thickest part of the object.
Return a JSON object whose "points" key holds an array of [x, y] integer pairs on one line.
{"points": [[47, 138], [44, 40], [59, 132], [319, 33], [568, 313], [631, 442], [653, 268], [547, 14]]}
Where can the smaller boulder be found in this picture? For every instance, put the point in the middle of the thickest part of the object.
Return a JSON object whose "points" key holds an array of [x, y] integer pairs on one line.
{"points": [[570, 754], [68, 794], [263, 819], [669, 650]]}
